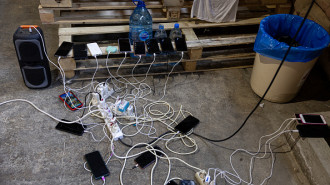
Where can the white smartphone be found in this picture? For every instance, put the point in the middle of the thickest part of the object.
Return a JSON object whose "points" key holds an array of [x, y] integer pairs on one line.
{"points": [[314, 119]]}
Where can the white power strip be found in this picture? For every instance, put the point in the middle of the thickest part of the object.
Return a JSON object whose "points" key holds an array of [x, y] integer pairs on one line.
{"points": [[114, 129]]}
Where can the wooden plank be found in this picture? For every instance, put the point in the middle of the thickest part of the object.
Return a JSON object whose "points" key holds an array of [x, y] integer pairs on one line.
{"points": [[283, 8], [46, 16], [219, 41], [273, 2], [56, 3], [194, 52], [168, 26], [68, 65], [166, 73], [173, 3]]}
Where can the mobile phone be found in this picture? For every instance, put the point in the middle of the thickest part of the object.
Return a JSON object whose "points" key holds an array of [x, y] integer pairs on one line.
{"points": [[152, 46], [80, 51], [64, 49], [180, 44], [166, 44], [187, 124], [124, 45], [187, 182], [73, 128], [139, 48], [172, 183], [71, 100], [146, 158], [312, 119], [315, 131], [97, 165]]}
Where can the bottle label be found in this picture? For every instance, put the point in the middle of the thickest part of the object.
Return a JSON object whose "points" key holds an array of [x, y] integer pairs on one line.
{"points": [[144, 36]]}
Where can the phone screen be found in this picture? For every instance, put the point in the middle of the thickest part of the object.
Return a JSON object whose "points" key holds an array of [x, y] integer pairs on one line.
{"points": [[124, 45], [187, 124], [73, 128], [312, 119], [97, 165], [64, 49], [152, 46], [172, 183], [139, 48], [181, 44], [316, 131], [80, 51], [71, 100], [147, 158], [166, 45]]}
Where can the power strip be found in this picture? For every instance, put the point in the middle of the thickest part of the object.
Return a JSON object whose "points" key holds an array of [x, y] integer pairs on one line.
{"points": [[114, 129], [105, 91]]}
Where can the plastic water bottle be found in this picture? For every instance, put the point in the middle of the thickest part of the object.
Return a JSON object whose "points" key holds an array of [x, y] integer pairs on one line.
{"points": [[175, 32], [160, 33], [140, 23]]}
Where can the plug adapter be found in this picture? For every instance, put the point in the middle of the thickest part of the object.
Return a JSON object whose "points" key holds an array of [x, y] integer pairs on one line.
{"points": [[200, 177]]}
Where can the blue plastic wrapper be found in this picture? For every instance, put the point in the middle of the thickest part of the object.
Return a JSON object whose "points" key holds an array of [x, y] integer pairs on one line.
{"points": [[312, 38]]}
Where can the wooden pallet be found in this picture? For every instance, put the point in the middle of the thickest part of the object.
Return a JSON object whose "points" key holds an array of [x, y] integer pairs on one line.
{"points": [[84, 18], [118, 12], [197, 44]]}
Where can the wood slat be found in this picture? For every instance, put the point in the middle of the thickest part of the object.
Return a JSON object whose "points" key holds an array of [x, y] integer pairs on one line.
{"points": [[168, 26]]}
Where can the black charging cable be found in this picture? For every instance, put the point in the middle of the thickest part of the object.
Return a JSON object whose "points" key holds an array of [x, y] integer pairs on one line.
{"points": [[141, 146], [271, 83]]}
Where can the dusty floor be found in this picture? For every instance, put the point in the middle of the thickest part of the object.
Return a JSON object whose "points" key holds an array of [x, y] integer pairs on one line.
{"points": [[33, 152]]}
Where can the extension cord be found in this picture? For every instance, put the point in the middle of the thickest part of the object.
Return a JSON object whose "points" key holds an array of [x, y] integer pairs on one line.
{"points": [[202, 178], [114, 129], [105, 91]]}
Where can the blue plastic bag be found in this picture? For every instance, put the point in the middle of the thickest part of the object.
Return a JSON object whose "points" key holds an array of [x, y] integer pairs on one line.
{"points": [[312, 38]]}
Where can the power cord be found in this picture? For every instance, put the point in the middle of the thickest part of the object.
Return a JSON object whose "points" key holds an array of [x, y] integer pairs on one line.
{"points": [[141, 146], [271, 83]]}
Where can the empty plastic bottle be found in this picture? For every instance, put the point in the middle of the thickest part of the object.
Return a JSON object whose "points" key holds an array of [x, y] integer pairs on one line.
{"points": [[160, 33], [175, 32], [140, 24]]}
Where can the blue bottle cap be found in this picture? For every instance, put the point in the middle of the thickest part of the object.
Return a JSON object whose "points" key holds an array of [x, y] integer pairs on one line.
{"points": [[161, 27], [141, 4], [176, 25]]}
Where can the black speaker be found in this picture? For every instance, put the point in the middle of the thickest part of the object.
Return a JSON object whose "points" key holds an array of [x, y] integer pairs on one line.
{"points": [[32, 57]]}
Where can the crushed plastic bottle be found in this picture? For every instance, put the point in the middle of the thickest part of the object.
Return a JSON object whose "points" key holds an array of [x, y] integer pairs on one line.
{"points": [[175, 32], [160, 33], [140, 24]]}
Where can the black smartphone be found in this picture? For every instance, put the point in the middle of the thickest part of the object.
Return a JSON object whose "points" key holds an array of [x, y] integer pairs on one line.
{"points": [[73, 128], [147, 158], [312, 119], [124, 45], [64, 49], [139, 48], [187, 182], [187, 124], [152, 46], [172, 183], [80, 51], [180, 44], [97, 165], [166, 45], [315, 131]]}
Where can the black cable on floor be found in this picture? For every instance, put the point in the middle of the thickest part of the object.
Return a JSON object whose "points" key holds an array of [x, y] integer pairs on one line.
{"points": [[140, 146], [271, 83]]}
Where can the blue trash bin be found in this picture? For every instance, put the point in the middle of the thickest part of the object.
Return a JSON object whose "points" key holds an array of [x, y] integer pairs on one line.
{"points": [[312, 39]]}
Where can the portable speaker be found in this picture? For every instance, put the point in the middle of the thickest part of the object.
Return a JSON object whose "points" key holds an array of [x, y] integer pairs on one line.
{"points": [[32, 57]]}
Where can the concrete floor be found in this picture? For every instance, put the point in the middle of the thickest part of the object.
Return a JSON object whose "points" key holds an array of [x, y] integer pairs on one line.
{"points": [[33, 152]]}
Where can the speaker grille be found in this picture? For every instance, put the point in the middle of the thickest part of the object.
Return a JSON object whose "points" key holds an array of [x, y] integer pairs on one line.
{"points": [[35, 77], [29, 51]]}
